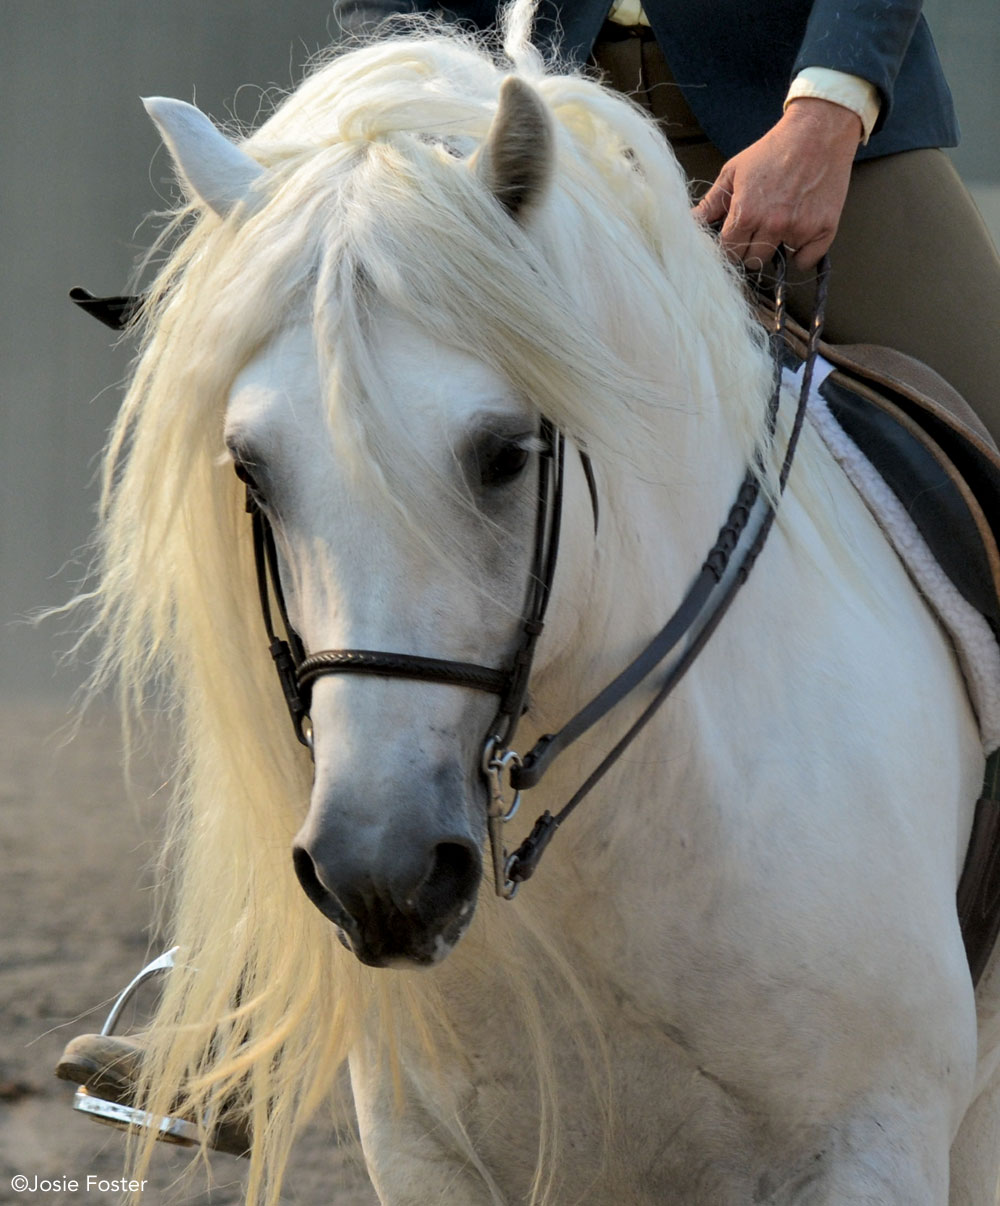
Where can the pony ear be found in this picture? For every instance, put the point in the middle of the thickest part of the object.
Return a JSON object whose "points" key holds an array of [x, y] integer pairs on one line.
{"points": [[212, 169], [515, 161]]}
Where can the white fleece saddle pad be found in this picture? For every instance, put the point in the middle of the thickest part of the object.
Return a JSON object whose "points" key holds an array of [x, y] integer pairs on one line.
{"points": [[971, 634]]}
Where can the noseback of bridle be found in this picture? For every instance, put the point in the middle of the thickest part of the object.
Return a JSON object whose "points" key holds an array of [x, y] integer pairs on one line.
{"points": [[506, 773]]}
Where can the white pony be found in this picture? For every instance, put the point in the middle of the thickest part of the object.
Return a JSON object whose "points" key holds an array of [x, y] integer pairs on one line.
{"points": [[738, 975]]}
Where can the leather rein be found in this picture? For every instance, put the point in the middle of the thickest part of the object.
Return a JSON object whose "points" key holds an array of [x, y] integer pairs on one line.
{"points": [[503, 769]]}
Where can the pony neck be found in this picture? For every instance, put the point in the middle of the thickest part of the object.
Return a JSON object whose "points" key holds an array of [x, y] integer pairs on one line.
{"points": [[667, 514]]}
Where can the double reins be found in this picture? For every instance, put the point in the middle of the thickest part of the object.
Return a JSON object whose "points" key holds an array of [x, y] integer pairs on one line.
{"points": [[693, 622], [697, 616]]}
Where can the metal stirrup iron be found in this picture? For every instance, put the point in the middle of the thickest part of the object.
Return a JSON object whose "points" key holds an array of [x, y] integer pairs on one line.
{"points": [[93, 1099]]}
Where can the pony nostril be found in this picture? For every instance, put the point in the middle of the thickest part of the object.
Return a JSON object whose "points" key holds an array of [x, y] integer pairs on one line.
{"points": [[453, 878], [311, 883], [379, 912], [321, 896]]}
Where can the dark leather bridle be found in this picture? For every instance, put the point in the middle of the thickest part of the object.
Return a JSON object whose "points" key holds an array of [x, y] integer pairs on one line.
{"points": [[696, 618], [694, 621], [298, 670]]}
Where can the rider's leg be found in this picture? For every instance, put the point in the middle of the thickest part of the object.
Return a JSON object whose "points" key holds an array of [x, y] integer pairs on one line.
{"points": [[913, 265], [914, 268]]}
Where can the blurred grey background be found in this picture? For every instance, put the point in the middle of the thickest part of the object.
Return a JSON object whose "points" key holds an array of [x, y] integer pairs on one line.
{"points": [[80, 167]]}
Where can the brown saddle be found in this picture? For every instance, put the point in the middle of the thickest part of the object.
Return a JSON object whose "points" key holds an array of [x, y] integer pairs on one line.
{"points": [[944, 467]]}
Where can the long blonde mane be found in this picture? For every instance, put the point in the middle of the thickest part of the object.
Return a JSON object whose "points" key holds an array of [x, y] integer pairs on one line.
{"points": [[368, 197]]}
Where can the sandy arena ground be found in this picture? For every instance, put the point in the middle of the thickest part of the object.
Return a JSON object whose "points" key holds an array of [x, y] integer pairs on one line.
{"points": [[74, 911]]}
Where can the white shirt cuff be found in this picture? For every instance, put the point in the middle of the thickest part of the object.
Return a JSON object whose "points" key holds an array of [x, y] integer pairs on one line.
{"points": [[628, 12], [850, 91]]}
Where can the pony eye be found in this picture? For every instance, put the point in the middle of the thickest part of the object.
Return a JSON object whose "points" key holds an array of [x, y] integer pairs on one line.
{"points": [[247, 478], [244, 474], [500, 460]]}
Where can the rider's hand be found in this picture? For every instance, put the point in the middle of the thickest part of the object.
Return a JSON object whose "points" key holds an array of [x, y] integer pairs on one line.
{"points": [[788, 187]]}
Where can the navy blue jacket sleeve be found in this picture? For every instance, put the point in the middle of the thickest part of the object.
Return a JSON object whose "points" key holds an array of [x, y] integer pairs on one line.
{"points": [[868, 38], [734, 59]]}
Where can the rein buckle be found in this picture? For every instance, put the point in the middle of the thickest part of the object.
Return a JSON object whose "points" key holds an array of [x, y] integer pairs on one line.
{"points": [[498, 767]]}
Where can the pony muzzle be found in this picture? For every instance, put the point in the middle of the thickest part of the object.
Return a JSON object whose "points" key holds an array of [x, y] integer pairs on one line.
{"points": [[409, 906]]}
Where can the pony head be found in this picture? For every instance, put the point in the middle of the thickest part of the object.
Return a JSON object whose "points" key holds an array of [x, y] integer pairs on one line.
{"points": [[390, 849], [385, 288]]}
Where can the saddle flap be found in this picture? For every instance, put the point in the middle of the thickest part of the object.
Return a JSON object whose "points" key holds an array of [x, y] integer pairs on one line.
{"points": [[930, 448], [934, 493]]}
